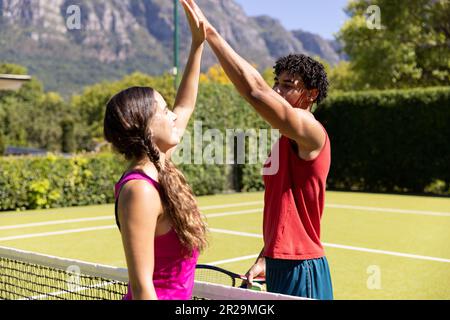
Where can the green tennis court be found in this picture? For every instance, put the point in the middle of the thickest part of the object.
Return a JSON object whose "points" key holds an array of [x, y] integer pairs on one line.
{"points": [[378, 246]]}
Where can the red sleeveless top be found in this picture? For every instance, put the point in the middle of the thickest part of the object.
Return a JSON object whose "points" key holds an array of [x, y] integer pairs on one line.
{"points": [[294, 200]]}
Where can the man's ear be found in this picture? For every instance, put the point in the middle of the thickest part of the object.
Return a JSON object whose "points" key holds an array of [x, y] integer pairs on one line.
{"points": [[313, 94]]}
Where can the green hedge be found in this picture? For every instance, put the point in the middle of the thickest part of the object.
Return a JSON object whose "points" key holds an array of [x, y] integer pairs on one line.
{"points": [[54, 181], [389, 141], [382, 141], [218, 107], [51, 182], [221, 107]]}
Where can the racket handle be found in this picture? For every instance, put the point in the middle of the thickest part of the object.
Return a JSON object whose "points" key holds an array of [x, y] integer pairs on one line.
{"points": [[255, 287]]}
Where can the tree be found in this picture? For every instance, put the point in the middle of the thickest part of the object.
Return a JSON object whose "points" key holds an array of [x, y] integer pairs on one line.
{"points": [[44, 129], [411, 49], [2, 144], [9, 68], [342, 77], [215, 74], [14, 108], [30, 117], [89, 107], [68, 142], [269, 76]]}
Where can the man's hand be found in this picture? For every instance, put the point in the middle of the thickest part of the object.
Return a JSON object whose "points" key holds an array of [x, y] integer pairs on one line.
{"points": [[257, 270]]}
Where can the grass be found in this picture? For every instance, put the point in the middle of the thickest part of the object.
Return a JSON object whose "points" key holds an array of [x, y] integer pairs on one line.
{"points": [[356, 273]]}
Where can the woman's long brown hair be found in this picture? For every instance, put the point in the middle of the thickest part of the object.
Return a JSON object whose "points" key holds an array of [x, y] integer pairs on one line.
{"points": [[126, 127]]}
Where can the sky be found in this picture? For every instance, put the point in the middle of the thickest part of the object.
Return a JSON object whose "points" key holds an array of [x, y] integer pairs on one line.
{"points": [[324, 17]]}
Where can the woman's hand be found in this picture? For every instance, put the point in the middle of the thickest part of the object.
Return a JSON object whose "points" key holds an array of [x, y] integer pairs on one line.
{"points": [[199, 15], [197, 25]]}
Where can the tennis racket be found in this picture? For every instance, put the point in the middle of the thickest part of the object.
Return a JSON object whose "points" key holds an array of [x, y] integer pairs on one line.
{"points": [[213, 274]]}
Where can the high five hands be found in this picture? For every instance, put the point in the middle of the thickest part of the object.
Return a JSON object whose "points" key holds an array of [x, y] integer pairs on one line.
{"points": [[197, 20], [196, 24]]}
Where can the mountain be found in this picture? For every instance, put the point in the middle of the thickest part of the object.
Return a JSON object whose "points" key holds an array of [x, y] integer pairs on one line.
{"points": [[117, 37], [281, 42], [277, 39], [317, 45]]}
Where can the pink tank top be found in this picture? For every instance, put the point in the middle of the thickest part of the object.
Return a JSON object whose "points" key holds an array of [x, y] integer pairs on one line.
{"points": [[173, 275]]}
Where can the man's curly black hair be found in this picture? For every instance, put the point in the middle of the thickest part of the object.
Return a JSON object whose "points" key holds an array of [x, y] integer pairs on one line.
{"points": [[311, 71]]}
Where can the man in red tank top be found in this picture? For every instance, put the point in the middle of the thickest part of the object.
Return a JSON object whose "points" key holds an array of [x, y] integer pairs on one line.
{"points": [[292, 259]]}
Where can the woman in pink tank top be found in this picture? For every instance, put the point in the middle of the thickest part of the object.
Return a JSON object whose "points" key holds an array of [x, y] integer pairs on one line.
{"points": [[159, 220]]}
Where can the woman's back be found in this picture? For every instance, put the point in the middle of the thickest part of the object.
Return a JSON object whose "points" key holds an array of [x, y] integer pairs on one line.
{"points": [[174, 272]]}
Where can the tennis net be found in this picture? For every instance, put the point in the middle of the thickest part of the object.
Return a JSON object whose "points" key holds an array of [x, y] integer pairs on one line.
{"points": [[30, 276]]}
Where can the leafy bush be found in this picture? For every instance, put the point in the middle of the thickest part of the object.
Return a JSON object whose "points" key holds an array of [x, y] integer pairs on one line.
{"points": [[52, 181], [382, 141]]}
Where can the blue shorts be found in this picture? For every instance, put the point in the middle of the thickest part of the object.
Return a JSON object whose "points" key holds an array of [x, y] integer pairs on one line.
{"points": [[303, 278]]}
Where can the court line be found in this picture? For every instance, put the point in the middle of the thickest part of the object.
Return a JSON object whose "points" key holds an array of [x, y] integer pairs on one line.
{"points": [[54, 233], [223, 214], [391, 253], [64, 292], [345, 247], [362, 208], [232, 205], [216, 263], [393, 210], [215, 215], [54, 210], [231, 213], [46, 234], [56, 222], [237, 233]]}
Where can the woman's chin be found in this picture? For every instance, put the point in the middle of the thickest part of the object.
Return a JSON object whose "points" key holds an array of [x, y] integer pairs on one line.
{"points": [[176, 139]]}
